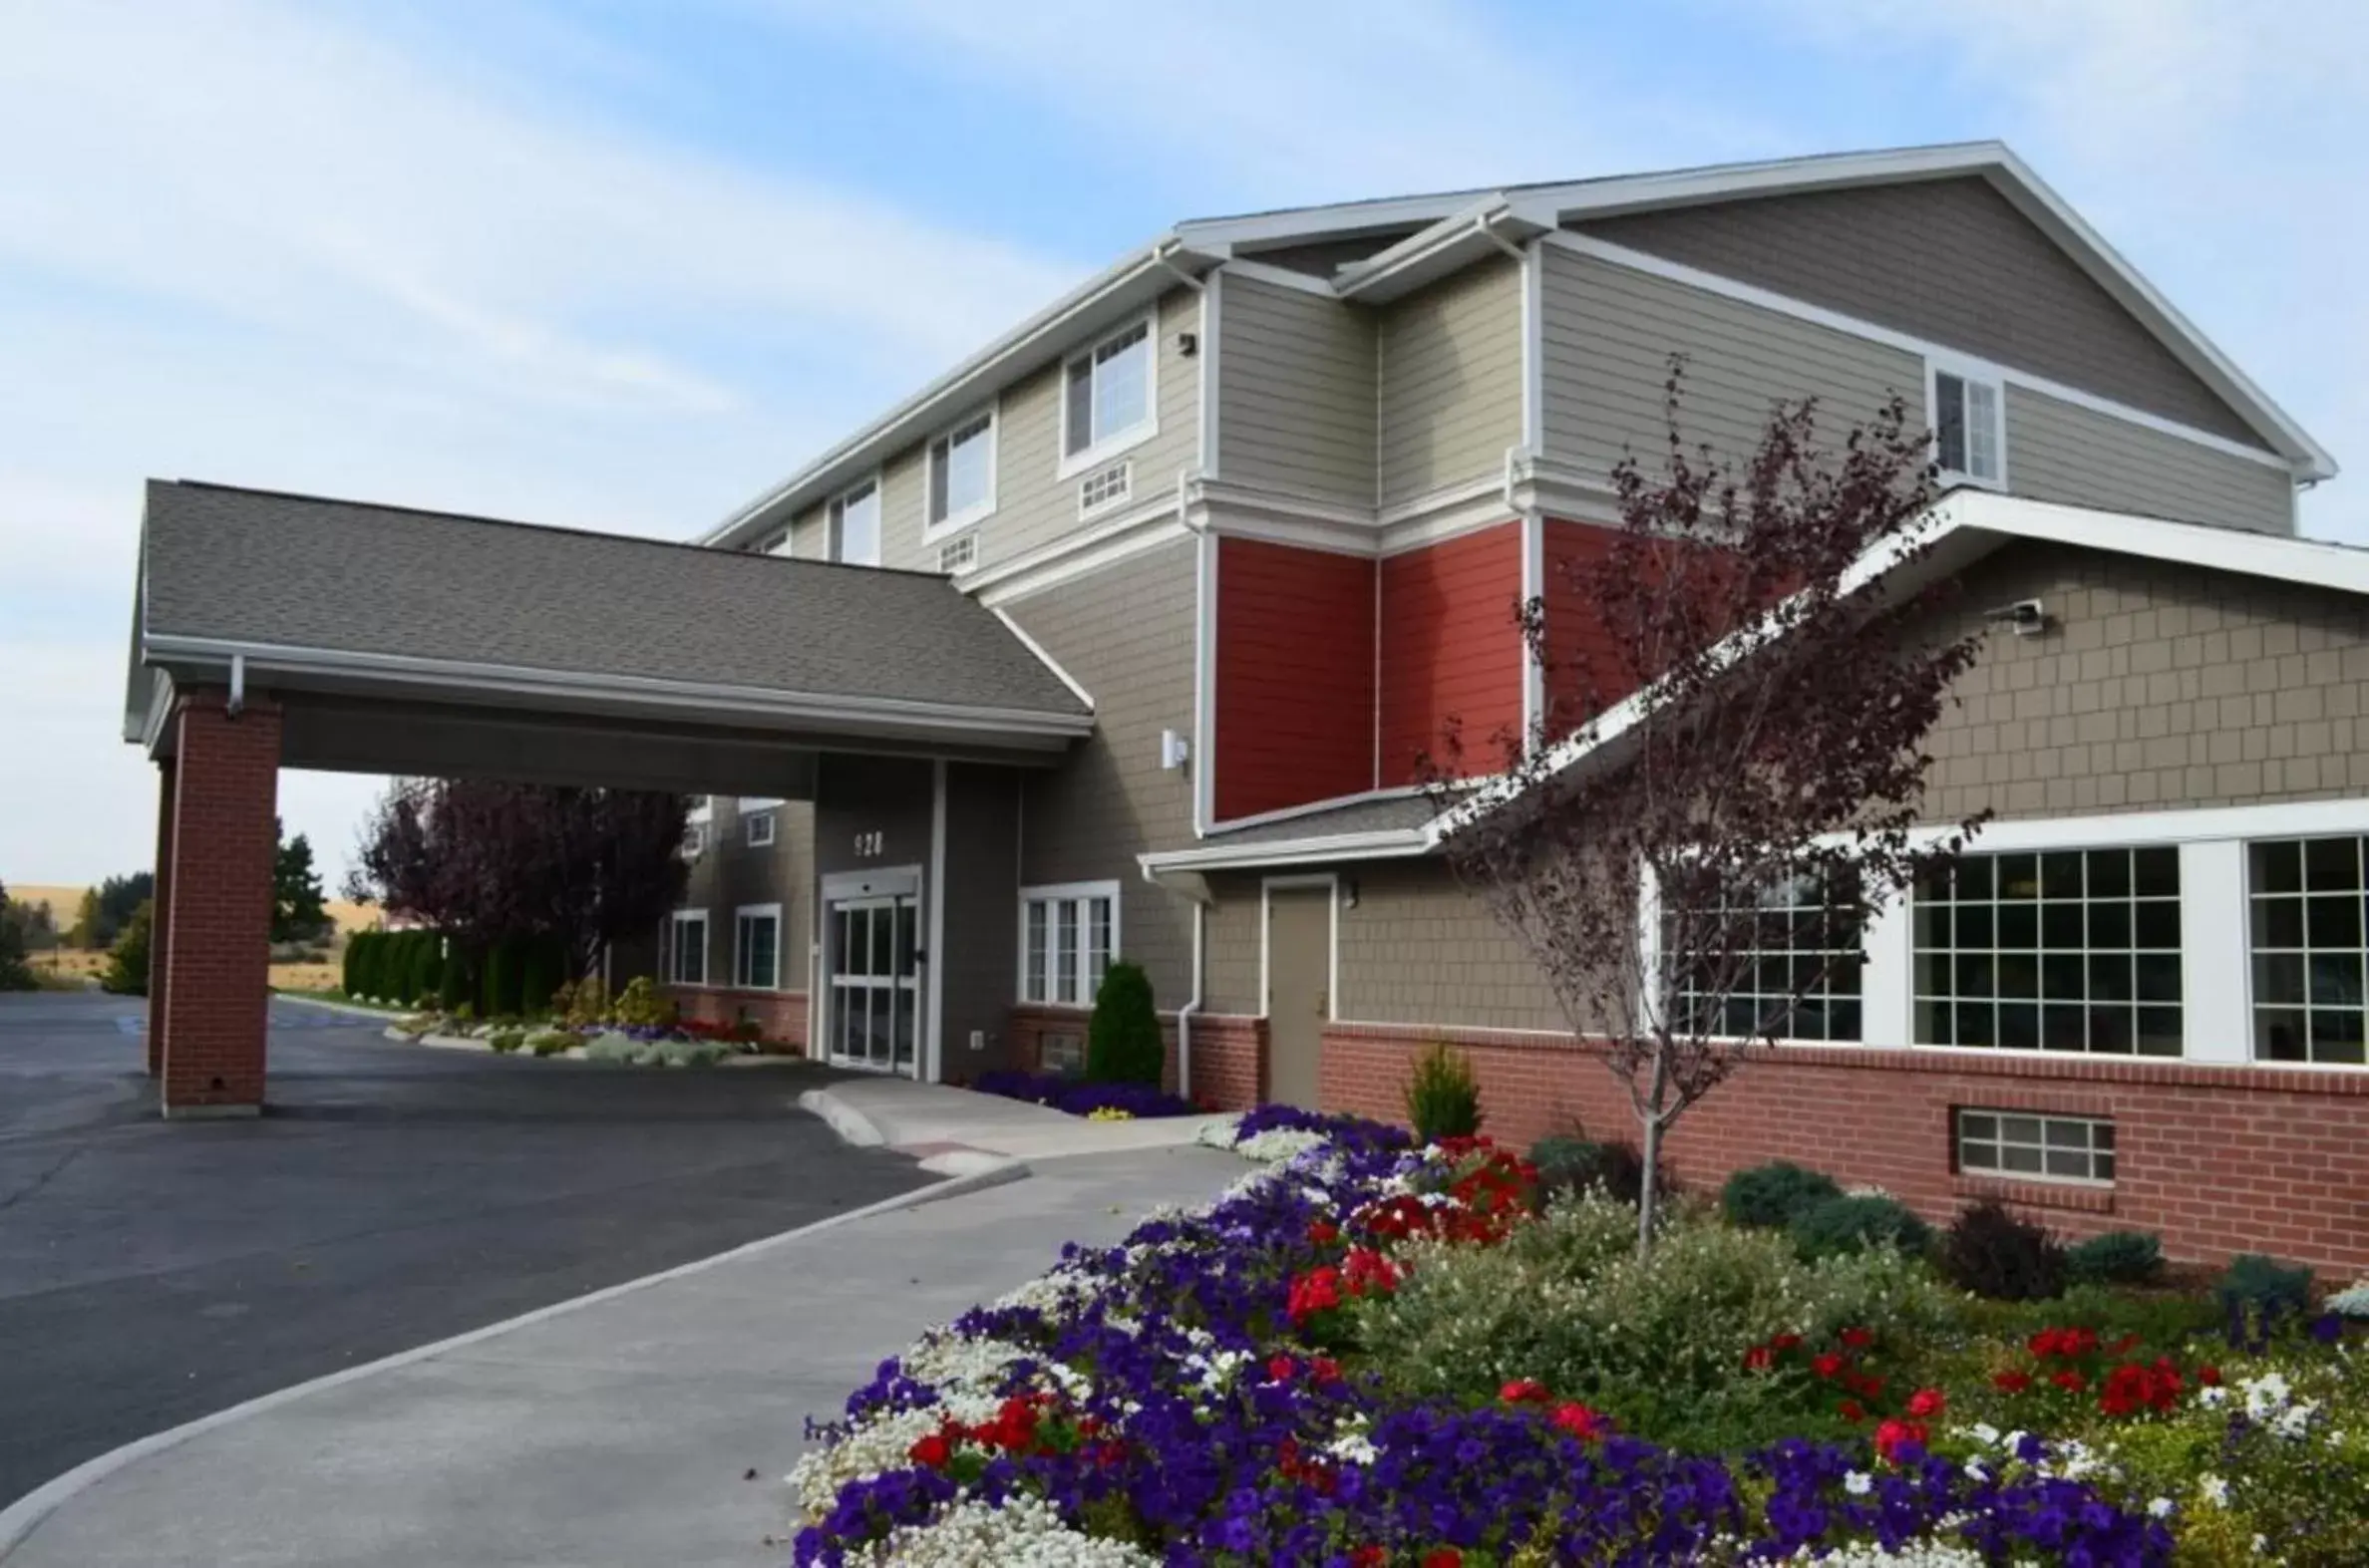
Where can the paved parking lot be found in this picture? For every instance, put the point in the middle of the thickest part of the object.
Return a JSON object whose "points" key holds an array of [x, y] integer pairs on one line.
{"points": [[392, 1196]]}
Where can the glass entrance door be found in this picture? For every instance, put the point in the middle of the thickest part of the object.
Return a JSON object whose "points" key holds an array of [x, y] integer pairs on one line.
{"points": [[875, 988]]}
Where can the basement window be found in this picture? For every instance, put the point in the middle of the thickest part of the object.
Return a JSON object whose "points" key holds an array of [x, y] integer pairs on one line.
{"points": [[2027, 1147]]}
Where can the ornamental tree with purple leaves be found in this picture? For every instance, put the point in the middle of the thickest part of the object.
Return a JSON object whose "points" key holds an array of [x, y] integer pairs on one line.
{"points": [[488, 862], [1693, 838]]}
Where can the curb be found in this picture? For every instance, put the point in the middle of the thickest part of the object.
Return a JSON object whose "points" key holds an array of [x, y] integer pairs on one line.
{"points": [[22, 1517], [327, 1006], [853, 1125]]}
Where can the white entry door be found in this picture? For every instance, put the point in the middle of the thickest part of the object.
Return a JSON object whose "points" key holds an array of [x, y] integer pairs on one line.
{"points": [[870, 956]]}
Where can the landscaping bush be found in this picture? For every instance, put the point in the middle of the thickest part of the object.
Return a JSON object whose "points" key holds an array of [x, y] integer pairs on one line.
{"points": [[127, 972], [553, 1041], [639, 1006], [685, 1053], [2258, 1295], [427, 967], [588, 1002], [506, 1040], [614, 1047], [500, 990], [2119, 1257], [1855, 1224], [1992, 1253], [1443, 1099], [1567, 1163], [349, 963], [1771, 1195], [1122, 1044]]}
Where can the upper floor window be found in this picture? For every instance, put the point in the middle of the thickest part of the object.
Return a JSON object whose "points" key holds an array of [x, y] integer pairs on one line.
{"points": [[1969, 428], [2310, 947], [855, 525], [962, 473], [2063, 950], [1106, 395], [759, 826]]}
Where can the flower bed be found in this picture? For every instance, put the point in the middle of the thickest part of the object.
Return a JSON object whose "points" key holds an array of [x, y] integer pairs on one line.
{"points": [[1101, 1101], [1230, 1386]]}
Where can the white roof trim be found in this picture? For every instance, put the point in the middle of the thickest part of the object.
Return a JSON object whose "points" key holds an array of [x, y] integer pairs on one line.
{"points": [[1381, 845]]}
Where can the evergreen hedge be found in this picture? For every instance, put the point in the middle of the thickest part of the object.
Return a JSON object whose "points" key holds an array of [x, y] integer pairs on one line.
{"points": [[1122, 1044]]}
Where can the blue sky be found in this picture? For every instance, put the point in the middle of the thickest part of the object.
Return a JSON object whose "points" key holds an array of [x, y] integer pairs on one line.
{"points": [[623, 264]]}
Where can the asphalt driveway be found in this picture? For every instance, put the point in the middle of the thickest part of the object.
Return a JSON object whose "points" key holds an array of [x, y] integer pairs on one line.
{"points": [[150, 1273]]}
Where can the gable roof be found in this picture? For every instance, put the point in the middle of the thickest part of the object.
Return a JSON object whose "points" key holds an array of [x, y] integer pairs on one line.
{"points": [[1968, 524], [1454, 229]]}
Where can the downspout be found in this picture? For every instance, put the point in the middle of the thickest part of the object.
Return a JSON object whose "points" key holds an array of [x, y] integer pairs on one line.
{"points": [[238, 703], [1200, 914]]}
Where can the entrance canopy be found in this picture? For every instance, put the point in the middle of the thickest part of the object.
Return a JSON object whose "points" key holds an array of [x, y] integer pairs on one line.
{"points": [[413, 642]]}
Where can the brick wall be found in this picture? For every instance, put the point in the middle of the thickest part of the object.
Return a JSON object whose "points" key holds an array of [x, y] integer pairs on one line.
{"points": [[2217, 1160], [1451, 650], [1228, 1051], [1295, 677], [782, 1015], [217, 968]]}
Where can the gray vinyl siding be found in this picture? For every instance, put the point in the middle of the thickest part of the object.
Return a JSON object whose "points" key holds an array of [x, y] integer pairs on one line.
{"points": [[1127, 631], [1607, 335], [979, 959], [1296, 392], [904, 500], [1451, 381], [729, 875], [1951, 261], [2061, 452], [810, 533]]}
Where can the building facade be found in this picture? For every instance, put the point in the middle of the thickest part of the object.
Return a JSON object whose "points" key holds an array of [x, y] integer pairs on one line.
{"points": [[1267, 494]]}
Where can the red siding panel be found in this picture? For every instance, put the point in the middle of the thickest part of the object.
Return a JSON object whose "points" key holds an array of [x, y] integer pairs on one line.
{"points": [[1295, 677], [1451, 650], [1572, 637]]}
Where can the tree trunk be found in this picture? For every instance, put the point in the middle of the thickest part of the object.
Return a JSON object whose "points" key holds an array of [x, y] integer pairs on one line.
{"points": [[1650, 1155]]}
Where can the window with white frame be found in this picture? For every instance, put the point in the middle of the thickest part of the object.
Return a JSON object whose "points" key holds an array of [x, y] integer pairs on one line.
{"points": [[757, 947], [686, 948], [1795, 970], [962, 473], [1068, 935], [855, 525], [2310, 941], [2026, 1146], [758, 828], [1969, 427], [2059, 950], [1107, 391]]}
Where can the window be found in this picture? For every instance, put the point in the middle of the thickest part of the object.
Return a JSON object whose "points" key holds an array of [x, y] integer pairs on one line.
{"points": [[1106, 393], [1969, 432], [757, 947], [760, 828], [1106, 487], [962, 473], [2307, 898], [1803, 976], [694, 838], [2064, 950], [855, 525], [687, 950], [1069, 935], [2038, 1148], [958, 554]]}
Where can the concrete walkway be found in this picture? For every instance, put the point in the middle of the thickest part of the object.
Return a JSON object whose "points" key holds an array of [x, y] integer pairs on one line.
{"points": [[619, 1432], [942, 1125]]}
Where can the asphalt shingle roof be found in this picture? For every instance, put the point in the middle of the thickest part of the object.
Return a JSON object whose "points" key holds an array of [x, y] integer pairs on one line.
{"points": [[259, 566], [1356, 816]]}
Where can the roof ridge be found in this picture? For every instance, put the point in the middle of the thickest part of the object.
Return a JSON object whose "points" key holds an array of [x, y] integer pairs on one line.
{"points": [[570, 530]]}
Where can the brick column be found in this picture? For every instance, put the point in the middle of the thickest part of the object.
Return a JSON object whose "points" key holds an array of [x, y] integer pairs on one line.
{"points": [[161, 930], [216, 974]]}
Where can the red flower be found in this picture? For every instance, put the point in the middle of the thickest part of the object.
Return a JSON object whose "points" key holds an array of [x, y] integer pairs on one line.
{"points": [[1323, 1233], [1759, 1358], [1850, 1411], [2209, 1376], [1892, 1436], [1368, 1557], [1826, 1366], [1581, 1421], [933, 1450], [1443, 1557], [1324, 1368], [1858, 1338], [2121, 1346], [2012, 1382], [2070, 1381], [1786, 1342], [1927, 1403], [1368, 1273], [1525, 1390], [1318, 1290], [1279, 1369]]}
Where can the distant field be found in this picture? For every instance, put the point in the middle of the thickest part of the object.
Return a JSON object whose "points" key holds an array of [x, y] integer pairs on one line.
{"points": [[66, 902]]}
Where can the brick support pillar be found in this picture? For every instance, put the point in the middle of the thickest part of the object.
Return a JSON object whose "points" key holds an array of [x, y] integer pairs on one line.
{"points": [[216, 973], [161, 930]]}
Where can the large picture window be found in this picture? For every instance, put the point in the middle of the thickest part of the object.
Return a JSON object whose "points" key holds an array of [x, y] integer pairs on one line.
{"points": [[1799, 977], [2062, 950], [1068, 935], [2305, 901], [686, 948], [757, 947]]}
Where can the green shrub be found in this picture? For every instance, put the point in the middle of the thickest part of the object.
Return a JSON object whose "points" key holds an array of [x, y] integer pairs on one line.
{"points": [[1855, 1224], [456, 982], [427, 967], [1771, 1195], [126, 971], [553, 1041], [614, 1047], [687, 1053], [506, 1040], [639, 1006], [1992, 1253], [539, 976], [499, 987], [2120, 1257], [2258, 1293], [1443, 1099], [1122, 1044], [1566, 1162], [356, 945]]}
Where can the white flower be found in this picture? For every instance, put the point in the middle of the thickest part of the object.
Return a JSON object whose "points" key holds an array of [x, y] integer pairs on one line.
{"points": [[2293, 1421], [1984, 1433], [1024, 1531], [2159, 1508], [2213, 1398], [2352, 1303], [2265, 1394], [1859, 1483], [1975, 1470], [2215, 1491]]}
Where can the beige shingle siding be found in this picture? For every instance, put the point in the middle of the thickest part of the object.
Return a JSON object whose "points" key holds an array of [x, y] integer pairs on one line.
{"points": [[1230, 947], [1951, 261], [1418, 949], [1127, 632], [2165, 687], [1451, 377], [2061, 452], [729, 874], [904, 500], [1295, 376], [1608, 333]]}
